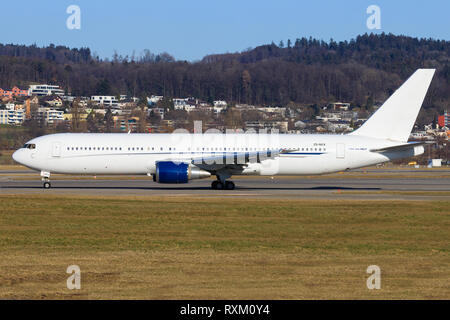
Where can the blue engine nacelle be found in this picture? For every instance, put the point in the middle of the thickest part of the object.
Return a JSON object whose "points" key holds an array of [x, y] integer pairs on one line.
{"points": [[177, 172]]}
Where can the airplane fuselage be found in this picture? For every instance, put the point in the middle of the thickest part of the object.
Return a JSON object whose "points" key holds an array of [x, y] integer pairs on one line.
{"points": [[137, 154]]}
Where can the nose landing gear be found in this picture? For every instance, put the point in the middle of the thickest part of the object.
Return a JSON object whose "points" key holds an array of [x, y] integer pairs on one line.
{"points": [[46, 179]]}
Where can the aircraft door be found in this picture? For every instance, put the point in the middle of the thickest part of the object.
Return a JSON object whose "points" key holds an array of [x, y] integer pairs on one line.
{"points": [[340, 150], [56, 149]]}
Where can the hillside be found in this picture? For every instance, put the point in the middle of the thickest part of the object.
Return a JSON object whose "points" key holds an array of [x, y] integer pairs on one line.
{"points": [[304, 71]]}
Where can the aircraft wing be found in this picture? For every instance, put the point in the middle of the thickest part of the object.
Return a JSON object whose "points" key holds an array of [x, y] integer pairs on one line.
{"points": [[232, 158]]}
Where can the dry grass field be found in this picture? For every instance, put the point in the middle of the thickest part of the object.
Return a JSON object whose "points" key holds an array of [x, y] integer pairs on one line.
{"points": [[192, 248]]}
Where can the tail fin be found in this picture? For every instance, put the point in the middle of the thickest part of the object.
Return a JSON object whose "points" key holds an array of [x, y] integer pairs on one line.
{"points": [[396, 117]]}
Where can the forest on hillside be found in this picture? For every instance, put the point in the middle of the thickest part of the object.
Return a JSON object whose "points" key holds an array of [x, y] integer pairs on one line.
{"points": [[301, 71]]}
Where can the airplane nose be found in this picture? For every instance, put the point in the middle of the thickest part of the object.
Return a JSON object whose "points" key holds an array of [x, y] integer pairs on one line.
{"points": [[17, 156]]}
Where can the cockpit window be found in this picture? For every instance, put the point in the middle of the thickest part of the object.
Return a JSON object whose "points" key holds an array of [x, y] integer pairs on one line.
{"points": [[29, 146]]}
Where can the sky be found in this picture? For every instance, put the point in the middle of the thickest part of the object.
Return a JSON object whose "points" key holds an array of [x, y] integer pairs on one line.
{"points": [[191, 29]]}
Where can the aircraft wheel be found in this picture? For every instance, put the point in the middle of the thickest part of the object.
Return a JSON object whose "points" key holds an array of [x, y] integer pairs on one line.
{"points": [[219, 185], [229, 185], [47, 185], [214, 185]]}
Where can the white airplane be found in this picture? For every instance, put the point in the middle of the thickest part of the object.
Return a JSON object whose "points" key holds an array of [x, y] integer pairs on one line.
{"points": [[180, 157]]}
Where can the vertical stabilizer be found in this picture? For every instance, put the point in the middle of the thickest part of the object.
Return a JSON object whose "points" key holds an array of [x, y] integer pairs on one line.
{"points": [[395, 119]]}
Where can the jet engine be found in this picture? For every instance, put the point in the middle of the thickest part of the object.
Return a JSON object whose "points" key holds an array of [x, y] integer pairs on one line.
{"points": [[177, 172]]}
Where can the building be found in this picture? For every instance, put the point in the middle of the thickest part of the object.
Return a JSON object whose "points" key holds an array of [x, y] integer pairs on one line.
{"points": [[187, 104], [432, 163], [14, 92], [125, 124], [339, 106], [338, 116], [421, 135], [159, 111], [154, 99], [12, 115], [69, 116], [273, 110], [53, 101], [108, 101], [219, 103], [49, 115], [219, 108], [179, 103], [260, 126], [44, 90], [444, 120]]}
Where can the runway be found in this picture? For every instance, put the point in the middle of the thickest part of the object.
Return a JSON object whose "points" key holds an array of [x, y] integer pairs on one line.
{"points": [[362, 184]]}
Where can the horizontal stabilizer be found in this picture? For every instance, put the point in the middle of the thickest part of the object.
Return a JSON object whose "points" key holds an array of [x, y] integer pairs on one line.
{"points": [[401, 147]]}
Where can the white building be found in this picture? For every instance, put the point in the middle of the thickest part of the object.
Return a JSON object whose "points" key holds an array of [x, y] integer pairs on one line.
{"points": [[50, 116], [279, 110], [177, 102], [12, 116], [339, 106], [433, 163], [220, 103], [159, 111], [187, 104], [44, 90], [219, 108], [421, 135], [110, 101], [154, 99]]}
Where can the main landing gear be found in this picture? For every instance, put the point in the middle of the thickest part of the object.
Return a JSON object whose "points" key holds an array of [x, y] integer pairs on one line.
{"points": [[46, 179], [219, 185]]}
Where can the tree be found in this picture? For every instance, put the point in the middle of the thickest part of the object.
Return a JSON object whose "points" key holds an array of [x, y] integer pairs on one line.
{"points": [[92, 123], [233, 119], [142, 124], [76, 115], [369, 104], [103, 87], [246, 80], [109, 121]]}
